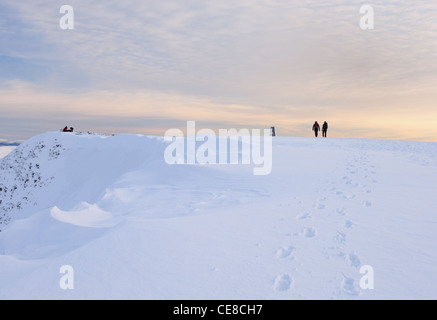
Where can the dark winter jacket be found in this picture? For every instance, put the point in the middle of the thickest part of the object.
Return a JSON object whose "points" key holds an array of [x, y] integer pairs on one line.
{"points": [[325, 126]]}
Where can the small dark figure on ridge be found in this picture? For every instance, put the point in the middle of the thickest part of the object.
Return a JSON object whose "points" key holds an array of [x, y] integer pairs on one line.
{"points": [[316, 128], [324, 129]]}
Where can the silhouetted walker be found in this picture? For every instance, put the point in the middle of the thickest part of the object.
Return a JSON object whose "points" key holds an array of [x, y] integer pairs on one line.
{"points": [[324, 129], [316, 128]]}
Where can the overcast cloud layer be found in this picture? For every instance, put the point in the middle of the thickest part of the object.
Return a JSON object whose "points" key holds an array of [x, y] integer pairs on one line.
{"points": [[146, 66]]}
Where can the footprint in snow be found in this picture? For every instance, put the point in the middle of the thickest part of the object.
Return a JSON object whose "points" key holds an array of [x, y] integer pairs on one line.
{"points": [[320, 206], [303, 216], [284, 252], [340, 237], [353, 260], [283, 282], [348, 224], [309, 232], [368, 204], [347, 285]]}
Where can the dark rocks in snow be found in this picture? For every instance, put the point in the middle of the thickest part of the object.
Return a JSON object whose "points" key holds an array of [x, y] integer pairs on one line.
{"points": [[21, 173]]}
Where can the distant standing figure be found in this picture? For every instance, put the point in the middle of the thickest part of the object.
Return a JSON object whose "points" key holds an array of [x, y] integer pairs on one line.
{"points": [[316, 128], [324, 129]]}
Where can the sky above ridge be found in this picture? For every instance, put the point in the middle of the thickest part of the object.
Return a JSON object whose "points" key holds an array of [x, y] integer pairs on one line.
{"points": [[147, 66]]}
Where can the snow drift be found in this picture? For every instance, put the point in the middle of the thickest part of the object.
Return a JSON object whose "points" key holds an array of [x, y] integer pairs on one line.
{"points": [[133, 227]]}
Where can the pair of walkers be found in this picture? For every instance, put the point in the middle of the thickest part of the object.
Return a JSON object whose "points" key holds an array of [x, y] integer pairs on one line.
{"points": [[316, 128]]}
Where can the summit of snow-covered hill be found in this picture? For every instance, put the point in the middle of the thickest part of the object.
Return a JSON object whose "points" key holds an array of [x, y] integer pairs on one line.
{"points": [[335, 219]]}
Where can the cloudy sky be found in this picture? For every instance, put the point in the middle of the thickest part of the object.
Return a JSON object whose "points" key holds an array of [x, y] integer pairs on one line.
{"points": [[145, 66]]}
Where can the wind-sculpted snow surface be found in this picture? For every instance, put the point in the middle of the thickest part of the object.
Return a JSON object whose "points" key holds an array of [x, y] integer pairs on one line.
{"points": [[21, 175], [335, 219]]}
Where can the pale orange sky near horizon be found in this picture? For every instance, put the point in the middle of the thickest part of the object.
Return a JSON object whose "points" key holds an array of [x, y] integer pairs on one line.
{"points": [[85, 109], [145, 67]]}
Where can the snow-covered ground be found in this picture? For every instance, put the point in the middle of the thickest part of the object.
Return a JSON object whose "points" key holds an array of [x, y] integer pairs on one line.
{"points": [[106, 213], [5, 150]]}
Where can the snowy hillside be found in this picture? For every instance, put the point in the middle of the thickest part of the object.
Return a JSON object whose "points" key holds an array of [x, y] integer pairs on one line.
{"points": [[5, 150], [331, 213]]}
